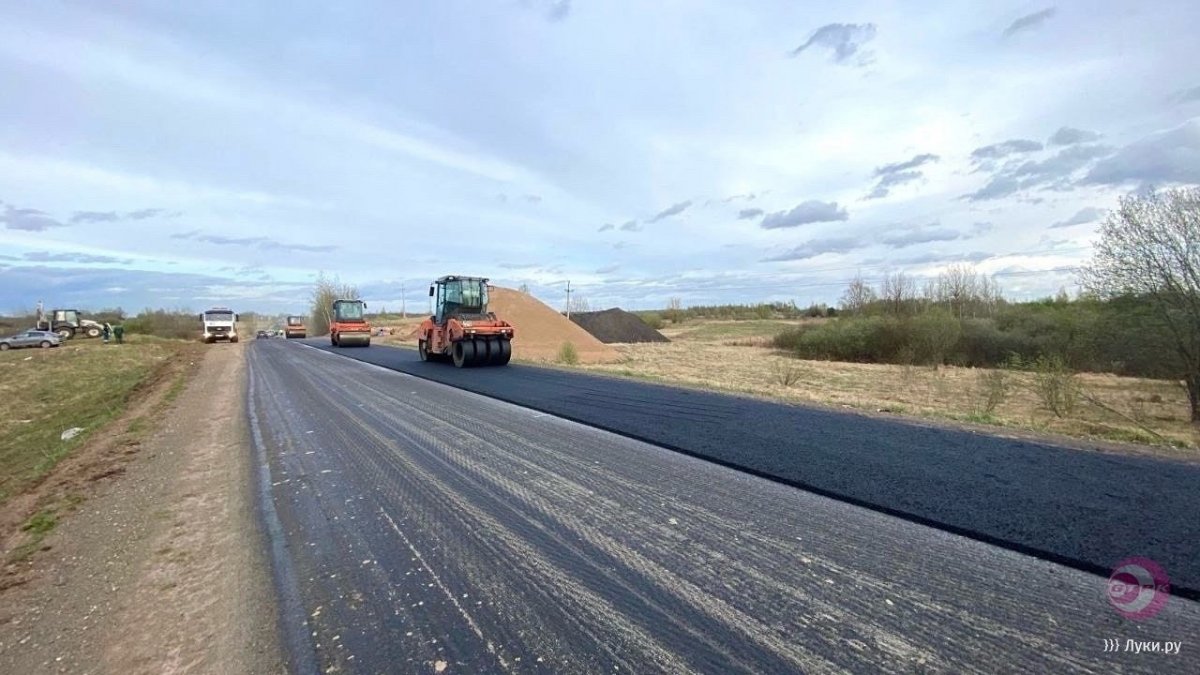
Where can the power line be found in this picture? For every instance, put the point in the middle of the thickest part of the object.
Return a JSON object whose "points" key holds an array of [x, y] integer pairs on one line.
{"points": [[752, 285], [888, 265]]}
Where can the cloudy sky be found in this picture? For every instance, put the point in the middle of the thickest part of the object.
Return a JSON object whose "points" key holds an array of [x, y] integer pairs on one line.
{"points": [[191, 154]]}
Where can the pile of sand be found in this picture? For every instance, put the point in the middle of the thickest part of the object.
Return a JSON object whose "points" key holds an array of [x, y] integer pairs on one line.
{"points": [[617, 326], [541, 330]]}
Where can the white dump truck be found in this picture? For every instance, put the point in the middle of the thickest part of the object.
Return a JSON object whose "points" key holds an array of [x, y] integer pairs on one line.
{"points": [[220, 323]]}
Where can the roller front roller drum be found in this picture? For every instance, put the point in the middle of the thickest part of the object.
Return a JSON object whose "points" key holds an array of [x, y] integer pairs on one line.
{"points": [[473, 353]]}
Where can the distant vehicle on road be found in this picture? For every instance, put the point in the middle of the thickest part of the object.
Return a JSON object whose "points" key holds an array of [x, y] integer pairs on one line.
{"points": [[31, 338], [262, 335], [220, 323], [295, 327], [349, 327]]}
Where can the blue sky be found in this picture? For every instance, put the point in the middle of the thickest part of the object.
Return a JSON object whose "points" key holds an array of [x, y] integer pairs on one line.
{"points": [[191, 154]]}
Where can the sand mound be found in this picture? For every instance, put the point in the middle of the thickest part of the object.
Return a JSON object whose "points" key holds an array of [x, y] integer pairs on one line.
{"points": [[541, 331], [617, 325]]}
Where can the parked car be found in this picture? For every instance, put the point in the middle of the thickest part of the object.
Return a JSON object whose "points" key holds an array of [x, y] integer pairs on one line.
{"points": [[31, 338], [262, 334]]}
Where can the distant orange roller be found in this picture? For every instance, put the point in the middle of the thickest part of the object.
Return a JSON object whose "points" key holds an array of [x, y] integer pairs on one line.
{"points": [[349, 327], [295, 327]]}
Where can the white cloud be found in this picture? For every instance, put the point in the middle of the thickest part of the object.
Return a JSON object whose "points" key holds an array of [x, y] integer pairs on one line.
{"points": [[25, 169], [197, 79], [363, 133]]}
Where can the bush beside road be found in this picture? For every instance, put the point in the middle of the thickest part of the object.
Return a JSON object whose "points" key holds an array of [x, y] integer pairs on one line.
{"points": [[1143, 411]]}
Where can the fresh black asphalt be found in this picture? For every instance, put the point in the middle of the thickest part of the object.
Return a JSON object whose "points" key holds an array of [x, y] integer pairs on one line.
{"points": [[421, 528], [1086, 509]]}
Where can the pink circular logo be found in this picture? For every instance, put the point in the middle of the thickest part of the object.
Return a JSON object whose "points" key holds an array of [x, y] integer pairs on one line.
{"points": [[1138, 588]]}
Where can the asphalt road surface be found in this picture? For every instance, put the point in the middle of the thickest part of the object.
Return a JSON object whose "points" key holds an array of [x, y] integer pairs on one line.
{"points": [[1084, 509], [422, 528]]}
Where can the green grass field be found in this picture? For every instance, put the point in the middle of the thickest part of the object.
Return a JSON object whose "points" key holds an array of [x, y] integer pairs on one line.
{"points": [[82, 384]]}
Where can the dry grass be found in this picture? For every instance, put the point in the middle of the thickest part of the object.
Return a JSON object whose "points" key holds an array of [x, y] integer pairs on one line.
{"points": [[741, 333], [964, 394], [46, 392]]}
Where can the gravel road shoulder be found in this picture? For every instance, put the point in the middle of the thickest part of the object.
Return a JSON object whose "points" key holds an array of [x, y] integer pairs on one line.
{"points": [[161, 569]]}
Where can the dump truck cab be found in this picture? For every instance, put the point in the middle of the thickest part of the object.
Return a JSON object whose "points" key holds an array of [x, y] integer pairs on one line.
{"points": [[295, 327], [461, 329], [219, 324], [68, 323], [348, 326]]}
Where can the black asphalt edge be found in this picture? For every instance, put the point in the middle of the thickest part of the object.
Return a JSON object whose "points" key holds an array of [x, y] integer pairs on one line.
{"points": [[1041, 554], [294, 633]]}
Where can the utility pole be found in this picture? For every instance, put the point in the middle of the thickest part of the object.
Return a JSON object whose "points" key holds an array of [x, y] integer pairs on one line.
{"points": [[403, 300], [568, 298]]}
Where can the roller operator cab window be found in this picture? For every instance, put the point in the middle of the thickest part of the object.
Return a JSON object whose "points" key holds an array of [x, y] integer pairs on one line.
{"points": [[349, 311], [465, 296]]}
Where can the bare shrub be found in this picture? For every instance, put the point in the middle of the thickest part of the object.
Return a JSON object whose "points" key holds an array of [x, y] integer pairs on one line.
{"points": [[787, 374], [994, 387], [567, 354], [1056, 385]]}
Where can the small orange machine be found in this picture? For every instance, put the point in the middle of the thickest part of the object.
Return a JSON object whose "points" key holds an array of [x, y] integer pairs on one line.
{"points": [[295, 327], [348, 326]]}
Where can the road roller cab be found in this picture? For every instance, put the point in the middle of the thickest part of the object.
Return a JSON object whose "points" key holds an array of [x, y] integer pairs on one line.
{"points": [[461, 329], [348, 326]]}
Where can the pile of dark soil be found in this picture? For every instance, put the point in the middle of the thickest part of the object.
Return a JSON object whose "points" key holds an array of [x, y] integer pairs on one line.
{"points": [[617, 325]]}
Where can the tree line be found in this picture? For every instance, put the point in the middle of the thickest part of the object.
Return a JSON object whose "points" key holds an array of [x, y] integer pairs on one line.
{"points": [[1139, 313]]}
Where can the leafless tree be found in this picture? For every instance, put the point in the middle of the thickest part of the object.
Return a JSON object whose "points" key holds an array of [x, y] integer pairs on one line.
{"points": [[989, 296], [674, 311], [899, 293], [858, 295], [965, 291], [957, 285], [1149, 248], [325, 291]]}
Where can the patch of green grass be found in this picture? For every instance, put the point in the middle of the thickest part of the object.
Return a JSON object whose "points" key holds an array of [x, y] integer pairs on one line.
{"points": [[41, 522], [36, 528], [83, 384], [138, 426], [567, 354]]}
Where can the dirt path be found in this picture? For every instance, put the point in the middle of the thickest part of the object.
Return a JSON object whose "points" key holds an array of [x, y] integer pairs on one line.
{"points": [[161, 570]]}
